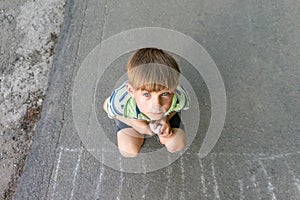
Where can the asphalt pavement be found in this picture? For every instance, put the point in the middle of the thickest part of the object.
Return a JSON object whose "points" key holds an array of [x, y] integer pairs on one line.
{"points": [[255, 46]]}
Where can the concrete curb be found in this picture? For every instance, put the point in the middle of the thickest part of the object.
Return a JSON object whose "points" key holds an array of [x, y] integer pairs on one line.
{"points": [[34, 181]]}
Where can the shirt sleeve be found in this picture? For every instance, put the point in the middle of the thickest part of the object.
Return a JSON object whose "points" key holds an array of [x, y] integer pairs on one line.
{"points": [[183, 99], [109, 107], [116, 103]]}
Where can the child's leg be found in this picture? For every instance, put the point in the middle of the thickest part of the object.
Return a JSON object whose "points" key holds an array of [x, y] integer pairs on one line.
{"points": [[176, 142], [129, 142]]}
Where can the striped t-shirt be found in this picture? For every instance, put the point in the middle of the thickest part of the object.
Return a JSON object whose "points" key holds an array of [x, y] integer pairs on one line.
{"points": [[122, 104]]}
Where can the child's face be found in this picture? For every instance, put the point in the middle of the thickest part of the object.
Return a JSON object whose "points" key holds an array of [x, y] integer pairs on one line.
{"points": [[153, 104]]}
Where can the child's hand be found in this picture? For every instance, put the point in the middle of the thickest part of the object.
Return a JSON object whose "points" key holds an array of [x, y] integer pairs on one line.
{"points": [[165, 130]]}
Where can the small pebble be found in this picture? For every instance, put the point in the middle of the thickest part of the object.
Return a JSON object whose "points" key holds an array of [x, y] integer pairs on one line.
{"points": [[9, 18], [39, 102], [20, 58]]}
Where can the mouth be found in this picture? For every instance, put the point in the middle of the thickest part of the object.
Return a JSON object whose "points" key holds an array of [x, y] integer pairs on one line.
{"points": [[156, 113]]}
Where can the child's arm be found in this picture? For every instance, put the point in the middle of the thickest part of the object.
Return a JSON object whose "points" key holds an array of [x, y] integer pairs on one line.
{"points": [[140, 126], [104, 104]]}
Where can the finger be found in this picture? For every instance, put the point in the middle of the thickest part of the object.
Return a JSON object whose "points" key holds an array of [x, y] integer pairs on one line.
{"points": [[165, 132], [164, 128], [166, 135], [168, 129]]}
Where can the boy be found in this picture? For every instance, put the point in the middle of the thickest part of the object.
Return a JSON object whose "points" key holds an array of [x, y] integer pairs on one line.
{"points": [[148, 102]]}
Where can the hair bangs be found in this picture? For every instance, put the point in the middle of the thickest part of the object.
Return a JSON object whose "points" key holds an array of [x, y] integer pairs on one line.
{"points": [[153, 77]]}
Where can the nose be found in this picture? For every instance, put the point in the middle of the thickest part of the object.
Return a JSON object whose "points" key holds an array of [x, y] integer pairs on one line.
{"points": [[155, 102]]}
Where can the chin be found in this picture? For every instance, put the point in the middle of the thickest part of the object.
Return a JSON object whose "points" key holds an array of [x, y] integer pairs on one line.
{"points": [[156, 117]]}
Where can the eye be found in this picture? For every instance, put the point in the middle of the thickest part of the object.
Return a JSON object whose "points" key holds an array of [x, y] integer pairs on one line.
{"points": [[165, 94], [146, 94]]}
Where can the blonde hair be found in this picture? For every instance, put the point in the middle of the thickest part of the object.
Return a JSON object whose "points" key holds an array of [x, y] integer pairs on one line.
{"points": [[152, 69]]}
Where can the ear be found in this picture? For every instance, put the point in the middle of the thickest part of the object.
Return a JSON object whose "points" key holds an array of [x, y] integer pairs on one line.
{"points": [[129, 88]]}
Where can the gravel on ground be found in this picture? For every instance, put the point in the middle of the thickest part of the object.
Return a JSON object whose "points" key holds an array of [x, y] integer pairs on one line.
{"points": [[29, 32]]}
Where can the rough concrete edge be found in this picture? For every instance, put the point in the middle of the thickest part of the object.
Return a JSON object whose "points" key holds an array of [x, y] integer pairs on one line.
{"points": [[35, 179]]}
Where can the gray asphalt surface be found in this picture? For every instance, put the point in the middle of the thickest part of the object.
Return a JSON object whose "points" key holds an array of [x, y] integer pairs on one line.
{"points": [[256, 48]]}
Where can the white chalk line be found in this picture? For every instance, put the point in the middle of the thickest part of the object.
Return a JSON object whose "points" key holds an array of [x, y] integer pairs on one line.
{"points": [[75, 172], [241, 187], [253, 180], [260, 156], [240, 181], [182, 195], [56, 173], [270, 185], [145, 187], [256, 185], [169, 172], [278, 156], [71, 150], [121, 180], [100, 179], [295, 179], [216, 186], [204, 189]]}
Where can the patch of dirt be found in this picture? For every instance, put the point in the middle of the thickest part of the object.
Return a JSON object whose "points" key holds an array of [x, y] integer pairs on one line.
{"points": [[29, 32], [27, 127]]}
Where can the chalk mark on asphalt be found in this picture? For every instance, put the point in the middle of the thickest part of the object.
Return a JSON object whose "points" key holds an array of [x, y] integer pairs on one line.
{"points": [[259, 158], [241, 187], [204, 189], [182, 195], [121, 180], [145, 187], [75, 172], [216, 186], [100, 179], [56, 172], [169, 172], [295, 179], [270, 185]]}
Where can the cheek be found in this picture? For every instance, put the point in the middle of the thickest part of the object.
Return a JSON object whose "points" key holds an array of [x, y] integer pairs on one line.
{"points": [[141, 103], [167, 104], [143, 106]]}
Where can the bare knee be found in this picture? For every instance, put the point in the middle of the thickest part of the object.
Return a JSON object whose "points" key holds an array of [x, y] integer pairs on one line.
{"points": [[128, 154], [129, 146], [177, 143], [175, 148], [129, 151]]}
